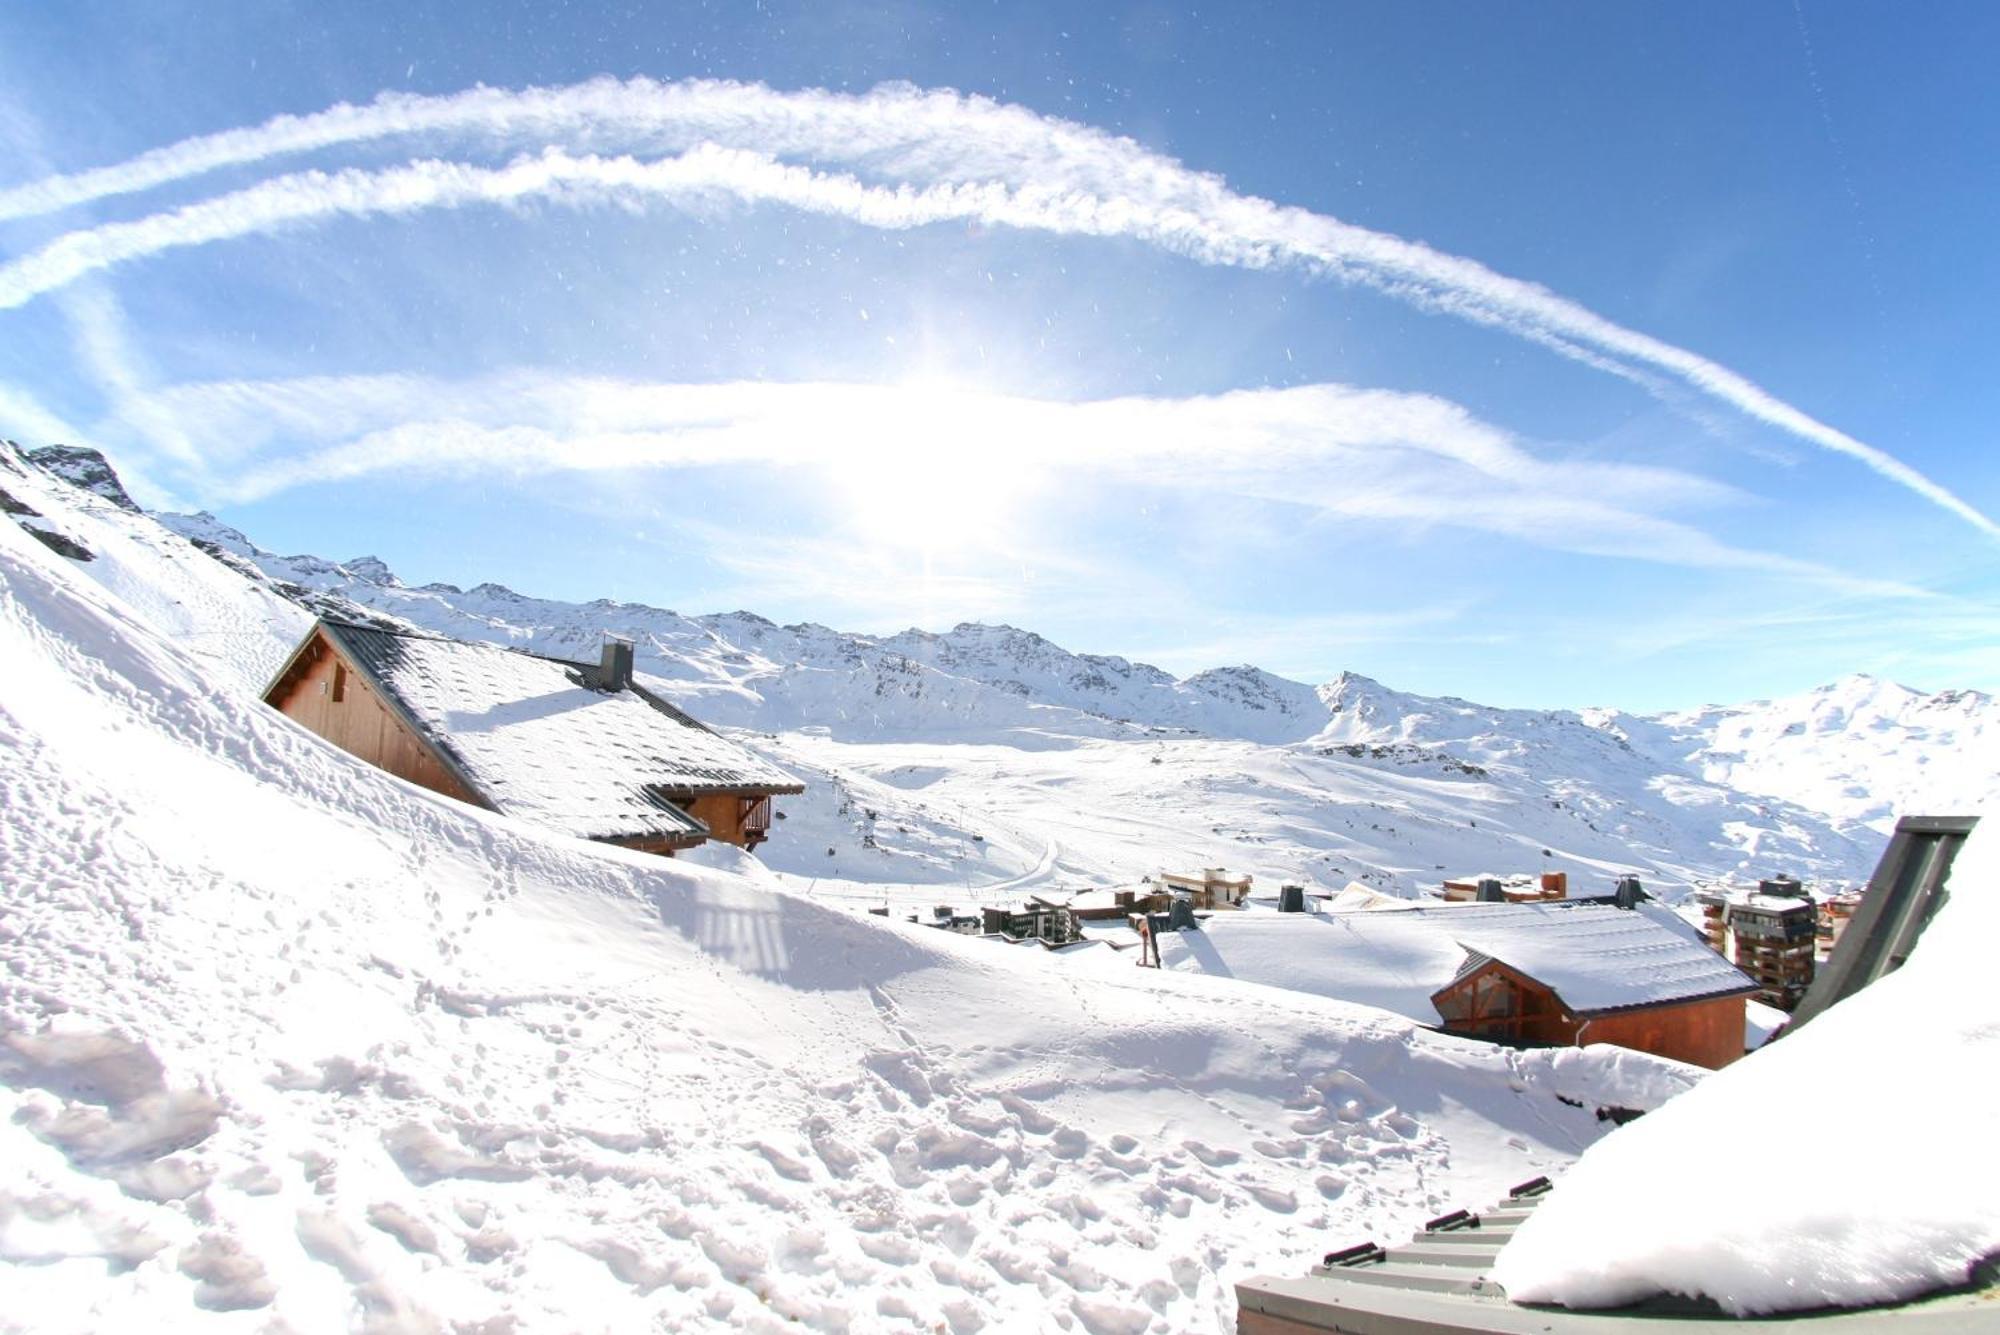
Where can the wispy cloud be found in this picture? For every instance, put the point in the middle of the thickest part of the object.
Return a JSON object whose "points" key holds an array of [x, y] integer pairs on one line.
{"points": [[918, 157], [105, 351], [1402, 460]]}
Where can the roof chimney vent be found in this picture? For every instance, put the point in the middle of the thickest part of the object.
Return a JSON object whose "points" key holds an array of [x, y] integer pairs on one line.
{"points": [[1490, 891], [1629, 894], [613, 671], [1291, 899]]}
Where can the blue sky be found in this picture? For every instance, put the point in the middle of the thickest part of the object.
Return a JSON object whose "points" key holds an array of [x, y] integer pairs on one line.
{"points": [[1551, 355]]}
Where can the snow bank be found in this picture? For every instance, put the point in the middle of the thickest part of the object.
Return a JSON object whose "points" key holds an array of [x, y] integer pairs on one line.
{"points": [[1851, 1162], [286, 1042]]}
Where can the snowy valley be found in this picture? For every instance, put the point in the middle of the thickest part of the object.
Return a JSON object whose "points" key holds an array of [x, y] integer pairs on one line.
{"points": [[285, 1040]]}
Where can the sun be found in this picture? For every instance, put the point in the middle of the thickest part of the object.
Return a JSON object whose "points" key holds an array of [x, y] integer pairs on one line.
{"points": [[935, 467]]}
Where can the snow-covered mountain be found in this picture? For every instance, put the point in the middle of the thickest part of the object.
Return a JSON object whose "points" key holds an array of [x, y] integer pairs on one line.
{"points": [[287, 1042], [1861, 750], [988, 756], [1856, 752]]}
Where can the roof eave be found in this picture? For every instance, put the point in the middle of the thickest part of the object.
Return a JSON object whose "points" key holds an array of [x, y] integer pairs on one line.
{"points": [[1719, 995]]}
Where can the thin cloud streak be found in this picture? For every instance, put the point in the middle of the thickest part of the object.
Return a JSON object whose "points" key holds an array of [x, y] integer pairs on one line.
{"points": [[1407, 460], [952, 157]]}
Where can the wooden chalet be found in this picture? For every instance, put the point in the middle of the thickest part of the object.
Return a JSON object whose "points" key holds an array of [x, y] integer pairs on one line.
{"points": [[578, 747]]}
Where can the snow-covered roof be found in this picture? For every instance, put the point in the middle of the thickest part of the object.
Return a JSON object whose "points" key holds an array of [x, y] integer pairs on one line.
{"points": [[1391, 960], [533, 740], [1594, 956]]}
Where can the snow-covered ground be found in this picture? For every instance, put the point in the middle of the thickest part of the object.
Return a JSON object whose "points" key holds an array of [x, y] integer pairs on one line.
{"points": [[285, 1042]]}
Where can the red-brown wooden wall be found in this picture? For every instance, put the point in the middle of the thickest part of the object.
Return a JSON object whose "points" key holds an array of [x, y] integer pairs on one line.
{"points": [[333, 700]]}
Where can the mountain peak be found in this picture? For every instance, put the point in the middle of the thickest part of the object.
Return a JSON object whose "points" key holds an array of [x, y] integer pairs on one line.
{"points": [[85, 468], [373, 569]]}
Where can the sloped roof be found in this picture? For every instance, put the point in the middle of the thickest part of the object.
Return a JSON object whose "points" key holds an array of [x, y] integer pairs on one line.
{"points": [[1594, 956], [536, 743]]}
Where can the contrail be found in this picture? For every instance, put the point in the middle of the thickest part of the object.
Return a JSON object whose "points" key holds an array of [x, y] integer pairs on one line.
{"points": [[920, 156]]}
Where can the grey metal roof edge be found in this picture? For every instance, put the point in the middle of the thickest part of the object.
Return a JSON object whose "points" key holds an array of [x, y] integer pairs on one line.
{"points": [[730, 789], [1325, 1303], [679, 838], [1743, 989], [1910, 884], [669, 708]]}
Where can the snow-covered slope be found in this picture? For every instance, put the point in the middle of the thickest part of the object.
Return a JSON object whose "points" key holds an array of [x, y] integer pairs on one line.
{"points": [[243, 629], [286, 1042]]}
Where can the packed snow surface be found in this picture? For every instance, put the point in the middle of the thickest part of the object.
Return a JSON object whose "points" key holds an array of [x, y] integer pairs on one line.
{"points": [[287, 1043], [1896, 1195]]}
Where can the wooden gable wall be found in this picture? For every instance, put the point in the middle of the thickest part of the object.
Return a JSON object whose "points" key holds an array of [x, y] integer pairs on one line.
{"points": [[324, 693]]}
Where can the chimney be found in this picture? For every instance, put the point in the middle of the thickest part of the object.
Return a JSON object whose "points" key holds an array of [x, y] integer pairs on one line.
{"points": [[1783, 887], [1629, 894], [614, 669], [1291, 899], [1490, 891]]}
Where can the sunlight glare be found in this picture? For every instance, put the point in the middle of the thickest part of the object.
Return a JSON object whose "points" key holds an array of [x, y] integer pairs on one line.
{"points": [[937, 468]]}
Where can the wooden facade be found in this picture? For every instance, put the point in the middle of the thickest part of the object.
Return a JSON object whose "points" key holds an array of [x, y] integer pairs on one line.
{"points": [[325, 693], [743, 819], [1494, 1001]]}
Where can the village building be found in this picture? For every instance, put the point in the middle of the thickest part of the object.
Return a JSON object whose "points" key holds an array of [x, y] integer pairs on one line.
{"points": [[1211, 888], [1567, 972], [1487, 888], [1773, 935], [1038, 920], [582, 748]]}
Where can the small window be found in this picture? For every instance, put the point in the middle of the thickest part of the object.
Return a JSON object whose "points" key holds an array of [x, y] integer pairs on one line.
{"points": [[339, 682]]}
